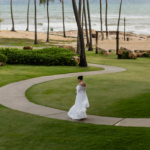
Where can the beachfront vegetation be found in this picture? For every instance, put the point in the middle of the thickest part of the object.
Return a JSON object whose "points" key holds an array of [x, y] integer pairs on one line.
{"points": [[3, 58], [48, 56], [83, 62], [1, 20], [28, 16], [106, 23], [124, 94], [35, 22], [63, 16], [48, 27], [90, 27], [12, 17]]}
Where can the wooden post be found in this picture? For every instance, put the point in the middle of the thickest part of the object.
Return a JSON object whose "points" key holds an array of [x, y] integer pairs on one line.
{"points": [[96, 42], [124, 28]]}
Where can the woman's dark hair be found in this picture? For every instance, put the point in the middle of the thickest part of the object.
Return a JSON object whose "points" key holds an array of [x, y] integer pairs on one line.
{"points": [[80, 77]]}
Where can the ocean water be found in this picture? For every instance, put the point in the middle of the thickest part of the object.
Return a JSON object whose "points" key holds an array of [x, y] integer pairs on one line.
{"points": [[136, 12]]}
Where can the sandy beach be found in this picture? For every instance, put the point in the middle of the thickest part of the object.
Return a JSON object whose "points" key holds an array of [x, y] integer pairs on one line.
{"points": [[30, 35], [136, 42]]}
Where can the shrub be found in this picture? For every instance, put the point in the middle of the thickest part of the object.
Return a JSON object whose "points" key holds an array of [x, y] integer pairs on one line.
{"points": [[146, 55], [47, 56], [3, 58], [125, 55]]}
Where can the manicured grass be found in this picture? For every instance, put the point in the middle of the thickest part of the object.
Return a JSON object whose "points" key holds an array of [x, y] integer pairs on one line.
{"points": [[125, 94], [21, 131], [29, 132], [29, 42], [14, 73]]}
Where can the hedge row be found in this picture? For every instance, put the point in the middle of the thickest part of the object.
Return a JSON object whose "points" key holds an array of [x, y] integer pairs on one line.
{"points": [[47, 56], [3, 58]]}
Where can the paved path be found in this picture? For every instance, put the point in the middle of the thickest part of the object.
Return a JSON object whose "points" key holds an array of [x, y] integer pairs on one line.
{"points": [[13, 96]]}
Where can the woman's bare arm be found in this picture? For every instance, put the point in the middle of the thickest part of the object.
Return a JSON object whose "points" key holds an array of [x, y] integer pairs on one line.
{"points": [[82, 84]]}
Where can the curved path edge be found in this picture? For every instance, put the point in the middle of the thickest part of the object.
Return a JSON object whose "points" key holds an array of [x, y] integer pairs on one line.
{"points": [[13, 97]]}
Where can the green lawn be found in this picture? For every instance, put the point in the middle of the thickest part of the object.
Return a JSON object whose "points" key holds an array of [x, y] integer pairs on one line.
{"points": [[125, 94], [14, 73], [30, 42], [21, 131]]}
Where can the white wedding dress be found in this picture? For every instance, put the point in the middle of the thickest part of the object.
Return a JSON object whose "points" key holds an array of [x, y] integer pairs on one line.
{"points": [[78, 110]]}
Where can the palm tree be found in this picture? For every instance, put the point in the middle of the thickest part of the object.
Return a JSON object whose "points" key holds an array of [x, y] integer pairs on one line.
{"points": [[35, 22], [78, 40], [119, 16], [47, 40], [83, 62], [101, 19], [63, 15], [47, 3], [28, 16], [87, 36], [106, 19], [13, 26], [89, 18], [117, 38]]}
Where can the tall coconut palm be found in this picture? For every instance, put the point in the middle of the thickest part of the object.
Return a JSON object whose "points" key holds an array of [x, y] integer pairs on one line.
{"points": [[35, 22], [83, 62], [82, 19], [119, 16], [63, 15], [117, 38], [28, 16], [78, 40], [101, 20], [87, 36], [48, 27], [90, 30], [13, 24], [47, 40], [106, 19]]}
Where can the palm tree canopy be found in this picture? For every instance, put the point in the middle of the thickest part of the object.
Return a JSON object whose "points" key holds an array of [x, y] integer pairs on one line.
{"points": [[44, 1]]}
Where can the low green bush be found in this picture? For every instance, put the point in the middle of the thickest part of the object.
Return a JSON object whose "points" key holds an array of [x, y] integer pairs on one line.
{"points": [[146, 55], [47, 56], [3, 58], [125, 55]]}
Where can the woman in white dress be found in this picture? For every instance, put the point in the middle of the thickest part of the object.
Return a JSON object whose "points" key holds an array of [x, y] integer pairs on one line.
{"points": [[78, 110]]}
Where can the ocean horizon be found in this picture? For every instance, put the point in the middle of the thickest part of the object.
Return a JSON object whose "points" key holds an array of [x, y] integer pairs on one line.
{"points": [[136, 12]]}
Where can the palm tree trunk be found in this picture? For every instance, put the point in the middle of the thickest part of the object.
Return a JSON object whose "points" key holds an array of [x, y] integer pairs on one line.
{"points": [[117, 38], [48, 21], [78, 38], [124, 28], [87, 36], [35, 21], [90, 30], [106, 19], [82, 19], [83, 62], [13, 26], [63, 18], [28, 16], [101, 20], [119, 16]]}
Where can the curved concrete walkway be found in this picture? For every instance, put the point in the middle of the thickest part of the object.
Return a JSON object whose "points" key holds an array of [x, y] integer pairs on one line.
{"points": [[13, 96]]}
